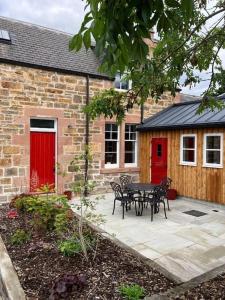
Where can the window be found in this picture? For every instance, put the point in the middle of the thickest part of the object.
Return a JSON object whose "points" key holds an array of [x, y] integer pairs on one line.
{"points": [[213, 150], [130, 144], [4, 36], [111, 145], [121, 83], [188, 149], [47, 125]]}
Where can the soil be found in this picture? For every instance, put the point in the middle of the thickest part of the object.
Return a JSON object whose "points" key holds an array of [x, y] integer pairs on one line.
{"points": [[213, 289], [38, 263]]}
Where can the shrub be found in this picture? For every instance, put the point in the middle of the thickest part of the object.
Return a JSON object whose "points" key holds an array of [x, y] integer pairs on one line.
{"points": [[132, 292], [20, 237], [50, 212], [70, 247]]}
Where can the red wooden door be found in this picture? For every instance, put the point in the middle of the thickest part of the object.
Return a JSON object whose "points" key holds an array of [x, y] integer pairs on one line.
{"points": [[158, 159], [42, 159]]}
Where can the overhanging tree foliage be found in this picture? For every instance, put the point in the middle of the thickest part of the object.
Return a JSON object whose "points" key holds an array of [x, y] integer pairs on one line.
{"points": [[191, 35]]}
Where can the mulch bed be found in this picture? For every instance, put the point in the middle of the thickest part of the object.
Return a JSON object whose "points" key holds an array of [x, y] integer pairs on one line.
{"points": [[213, 289], [38, 263]]}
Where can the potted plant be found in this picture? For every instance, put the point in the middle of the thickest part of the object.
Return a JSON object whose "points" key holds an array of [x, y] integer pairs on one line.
{"points": [[63, 174]]}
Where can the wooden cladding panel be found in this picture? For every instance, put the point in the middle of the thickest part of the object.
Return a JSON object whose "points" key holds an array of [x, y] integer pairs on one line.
{"points": [[191, 181]]}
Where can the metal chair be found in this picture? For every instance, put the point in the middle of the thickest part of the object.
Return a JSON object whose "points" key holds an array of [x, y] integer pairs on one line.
{"points": [[166, 183], [124, 181], [158, 197], [124, 200]]}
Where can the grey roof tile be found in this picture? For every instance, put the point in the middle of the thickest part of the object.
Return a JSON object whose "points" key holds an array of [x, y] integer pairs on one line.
{"points": [[43, 47]]}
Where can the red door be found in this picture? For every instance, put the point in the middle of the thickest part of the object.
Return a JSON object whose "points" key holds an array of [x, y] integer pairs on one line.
{"points": [[158, 159], [42, 159]]}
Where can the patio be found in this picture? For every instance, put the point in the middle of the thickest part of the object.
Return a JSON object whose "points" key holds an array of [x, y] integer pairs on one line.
{"points": [[186, 246]]}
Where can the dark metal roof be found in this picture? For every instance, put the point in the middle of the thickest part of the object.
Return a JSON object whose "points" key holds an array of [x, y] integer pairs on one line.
{"points": [[40, 47], [184, 115]]}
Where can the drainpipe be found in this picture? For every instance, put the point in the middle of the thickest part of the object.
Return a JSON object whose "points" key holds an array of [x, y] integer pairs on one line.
{"points": [[142, 113], [86, 135]]}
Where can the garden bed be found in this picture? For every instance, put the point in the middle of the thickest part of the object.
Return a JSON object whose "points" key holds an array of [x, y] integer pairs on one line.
{"points": [[39, 263]]}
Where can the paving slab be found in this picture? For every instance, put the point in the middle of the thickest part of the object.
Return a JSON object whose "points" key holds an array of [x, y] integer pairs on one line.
{"points": [[186, 246]]}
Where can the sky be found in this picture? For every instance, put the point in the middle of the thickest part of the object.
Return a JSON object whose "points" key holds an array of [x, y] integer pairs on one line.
{"points": [[64, 15]]}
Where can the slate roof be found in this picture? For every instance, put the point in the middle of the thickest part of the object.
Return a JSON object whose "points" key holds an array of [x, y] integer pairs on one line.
{"points": [[184, 115], [40, 47]]}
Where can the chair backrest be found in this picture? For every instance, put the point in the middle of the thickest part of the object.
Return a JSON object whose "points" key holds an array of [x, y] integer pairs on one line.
{"points": [[125, 180], [117, 190], [166, 182], [159, 192]]}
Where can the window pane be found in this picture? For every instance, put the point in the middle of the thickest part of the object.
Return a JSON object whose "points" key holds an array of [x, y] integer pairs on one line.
{"points": [[159, 150], [107, 127], [110, 158], [40, 123], [188, 142], [114, 127], [129, 158], [110, 146], [189, 155], [129, 152], [127, 136], [213, 157], [124, 85], [107, 135], [213, 142], [117, 81], [133, 136]]}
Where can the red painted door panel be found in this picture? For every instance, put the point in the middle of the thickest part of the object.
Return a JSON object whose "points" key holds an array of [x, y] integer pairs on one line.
{"points": [[158, 159], [42, 159]]}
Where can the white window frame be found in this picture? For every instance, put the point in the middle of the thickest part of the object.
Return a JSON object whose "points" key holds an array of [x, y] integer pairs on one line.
{"points": [[124, 90], [38, 129], [214, 165], [187, 163], [109, 165], [127, 165]]}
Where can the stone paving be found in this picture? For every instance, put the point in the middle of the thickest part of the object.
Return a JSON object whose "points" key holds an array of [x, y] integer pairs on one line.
{"points": [[184, 245]]}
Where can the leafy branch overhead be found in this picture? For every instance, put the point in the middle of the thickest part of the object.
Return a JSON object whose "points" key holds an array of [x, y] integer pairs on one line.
{"points": [[191, 37]]}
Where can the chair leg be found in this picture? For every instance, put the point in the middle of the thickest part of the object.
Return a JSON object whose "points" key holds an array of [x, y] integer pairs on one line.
{"points": [[136, 208], [168, 204], [152, 208], [114, 205], [123, 210], [164, 209]]}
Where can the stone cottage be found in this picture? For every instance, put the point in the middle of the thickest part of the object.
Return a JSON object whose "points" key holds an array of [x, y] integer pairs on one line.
{"points": [[43, 89]]}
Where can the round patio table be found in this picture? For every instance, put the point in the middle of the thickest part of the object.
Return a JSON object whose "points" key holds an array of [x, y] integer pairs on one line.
{"points": [[142, 187]]}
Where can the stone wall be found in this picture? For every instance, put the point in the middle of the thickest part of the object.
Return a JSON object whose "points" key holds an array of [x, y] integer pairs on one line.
{"points": [[26, 93]]}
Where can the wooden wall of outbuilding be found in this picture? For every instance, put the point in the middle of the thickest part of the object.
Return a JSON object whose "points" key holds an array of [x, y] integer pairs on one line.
{"points": [[191, 181]]}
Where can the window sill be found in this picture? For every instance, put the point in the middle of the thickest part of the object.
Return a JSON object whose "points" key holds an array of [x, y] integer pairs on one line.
{"points": [[120, 170], [188, 164], [213, 166]]}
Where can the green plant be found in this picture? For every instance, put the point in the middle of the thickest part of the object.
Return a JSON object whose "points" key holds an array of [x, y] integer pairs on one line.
{"points": [[70, 247], [86, 205], [132, 292], [20, 237], [61, 223]]}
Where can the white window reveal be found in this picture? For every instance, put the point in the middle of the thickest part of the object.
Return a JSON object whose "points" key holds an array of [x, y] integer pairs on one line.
{"points": [[188, 150], [213, 150], [111, 146], [130, 145], [121, 83]]}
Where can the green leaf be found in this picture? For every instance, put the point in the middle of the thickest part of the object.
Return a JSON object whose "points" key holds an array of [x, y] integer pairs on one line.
{"points": [[76, 42], [172, 3], [87, 39], [187, 6]]}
